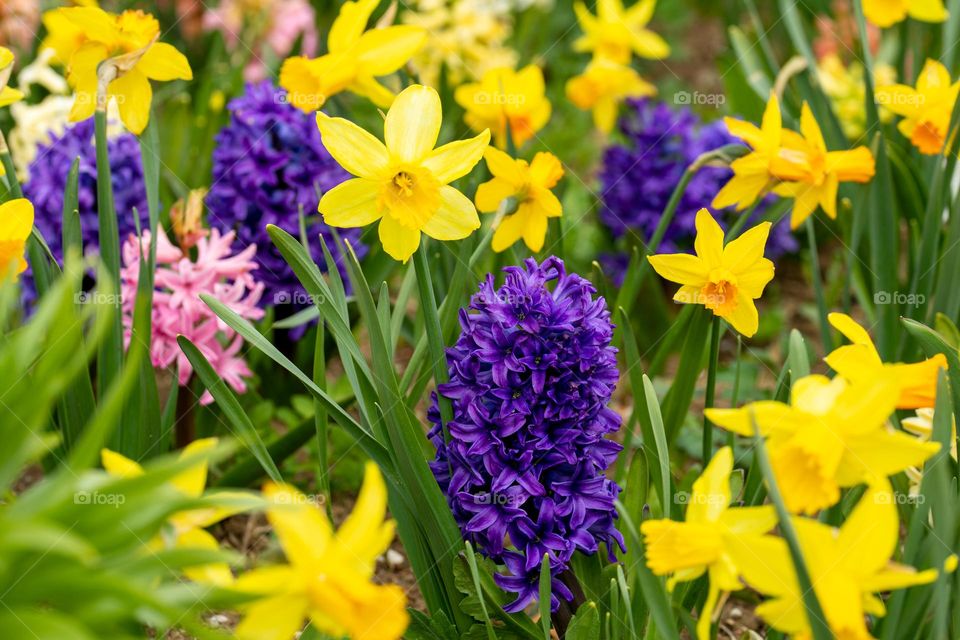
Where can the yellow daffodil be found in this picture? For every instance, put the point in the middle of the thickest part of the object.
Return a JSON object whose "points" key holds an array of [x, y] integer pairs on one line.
{"points": [[926, 109], [751, 173], [843, 83], [506, 98], [354, 60], [886, 13], [615, 33], [130, 40], [603, 86], [187, 527], [847, 568], [812, 175], [529, 185], [698, 545], [8, 95], [725, 279], [16, 223], [833, 434], [861, 361], [405, 184], [921, 426], [63, 36], [328, 578]]}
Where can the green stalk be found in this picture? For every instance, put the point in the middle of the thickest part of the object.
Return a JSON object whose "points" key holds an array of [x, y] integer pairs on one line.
{"points": [[825, 334], [320, 418], [110, 353], [815, 616], [735, 396], [711, 388], [431, 318]]}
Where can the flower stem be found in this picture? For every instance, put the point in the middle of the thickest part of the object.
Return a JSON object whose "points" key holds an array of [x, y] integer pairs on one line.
{"points": [[711, 388], [428, 306], [320, 418], [825, 334]]}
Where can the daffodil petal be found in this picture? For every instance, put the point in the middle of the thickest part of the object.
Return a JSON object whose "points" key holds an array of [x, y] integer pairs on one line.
{"points": [[743, 253], [383, 51], [119, 465], [303, 529], [455, 219], [278, 618], [491, 193], [356, 150], [163, 62], [192, 481], [398, 241], [413, 123], [134, 95], [743, 317], [508, 233], [457, 159], [351, 204], [681, 268], [350, 23], [709, 241]]}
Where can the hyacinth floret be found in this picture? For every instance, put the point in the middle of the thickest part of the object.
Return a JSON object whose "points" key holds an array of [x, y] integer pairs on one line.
{"points": [[531, 376]]}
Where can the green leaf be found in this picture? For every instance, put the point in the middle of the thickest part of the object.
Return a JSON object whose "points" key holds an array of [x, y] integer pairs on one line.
{"points": [[227, 401], [663, 452], [545, 596], [585, 624]]}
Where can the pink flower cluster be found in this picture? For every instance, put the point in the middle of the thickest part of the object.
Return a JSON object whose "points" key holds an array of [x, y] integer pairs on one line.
{"points": [[265, 24], [178, 309]]}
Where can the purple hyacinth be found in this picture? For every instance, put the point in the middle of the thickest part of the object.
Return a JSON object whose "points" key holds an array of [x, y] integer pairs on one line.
{"points": [[639, 177], [268, 163], [530, 379], [48, 180]]}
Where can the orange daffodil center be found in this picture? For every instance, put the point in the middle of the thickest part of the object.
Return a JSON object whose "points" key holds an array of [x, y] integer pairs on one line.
{"points": [[725, 279], [356, 58], [87, 36], [699, 545], [328, 578], [529, 185], [403, 183], [795, 165], [926, 109]]}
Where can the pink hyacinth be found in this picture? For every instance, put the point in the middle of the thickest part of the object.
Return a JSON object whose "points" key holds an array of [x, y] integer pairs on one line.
{"points": [[178, 309], [258, 25]]}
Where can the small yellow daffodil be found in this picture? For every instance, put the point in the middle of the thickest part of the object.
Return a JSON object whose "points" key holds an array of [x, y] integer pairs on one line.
{"points": [[328, 578], [926, 109], [833, 434], [130, 40], [886, 13], [725, 279], [529, 185], [405, 184], [504, 99], [354, 60], [16, 223], [8, 95], [921, 425], [751, 173], [812, 175], [615, 32], [602, 87], [847, 567], [698, 545], [186, 527], [861, 361]]}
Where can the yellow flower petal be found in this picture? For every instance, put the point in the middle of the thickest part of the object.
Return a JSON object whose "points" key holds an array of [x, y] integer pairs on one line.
{"points": [[709, 241], [510, 230], [868, 536], [192, 481], [133, 94], [680, 268], [491, 193], [118, 465], [353, 148], [535, 229], [851, 330], [455, 219], [711, 491], [303, 529], [364, 534], [502, 165], [16, 220], [304, 90], [928, 10], [774, 419], [218, 573], [650, 45], [743, 253], [163, 62], [351, 204], [457, 159], [383, 51], [368, 87], [413, 124], [398, 241], [350, 23], [277, 618], [743, 317]]}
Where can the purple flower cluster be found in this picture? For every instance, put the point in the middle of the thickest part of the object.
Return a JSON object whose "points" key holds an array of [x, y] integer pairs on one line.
{"points": [[48, 180], [639, 177], [530, 379], [268, 163]]}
